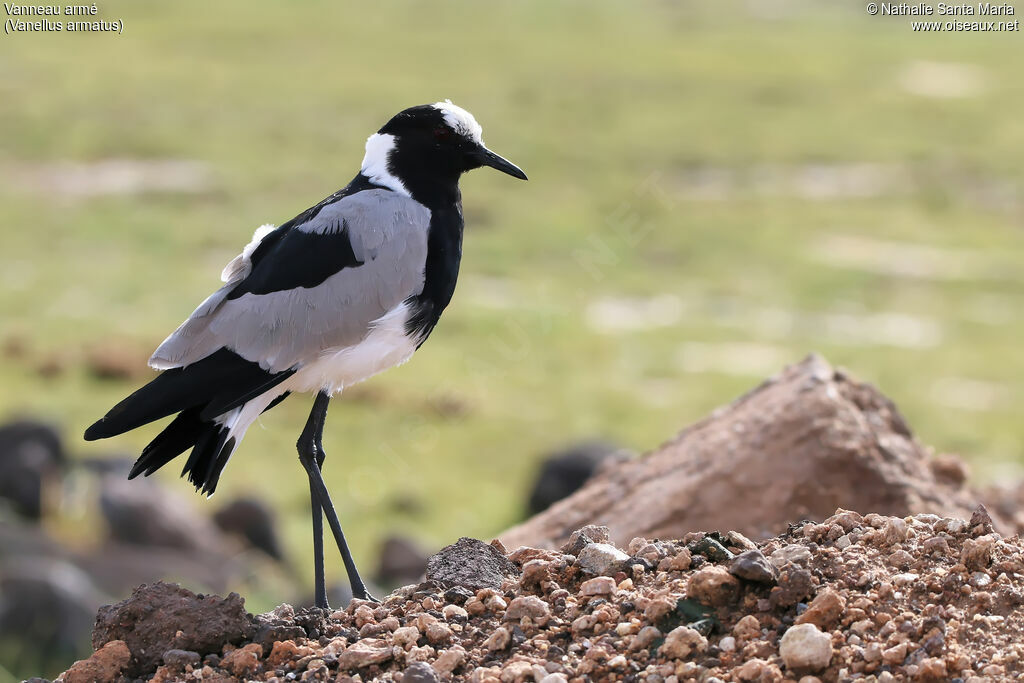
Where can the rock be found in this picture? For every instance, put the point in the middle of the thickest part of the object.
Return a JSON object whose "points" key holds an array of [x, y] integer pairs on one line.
{"points": [[449, 660], [601, 559], [161, 616], [895, 654], [804, 648], [528, 606], [406, 636], [791, 554], [713, 586], [681, 642], [585, 535], [438, 633], [106, 664], [977, 552], [243, 661], [646, 636], [363, 653], [179, 659], [498, 640], [469, 563], [747, 628], [420, 672], [795, 585], [753, 566], [824, 610], [599, 585], [804, 443]]}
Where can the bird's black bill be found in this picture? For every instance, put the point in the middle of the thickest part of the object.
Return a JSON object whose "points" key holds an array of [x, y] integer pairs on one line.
{"points": [[488, 158]]}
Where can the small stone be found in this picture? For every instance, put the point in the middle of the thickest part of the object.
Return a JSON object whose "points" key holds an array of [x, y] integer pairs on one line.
{"points": [[727, 644], [804, 648], [901, 559], [179, 659], [454, 612], [936, 545], [498, 640], [528, 606], [681, 642], [711, 549], [495, 603], [420, 672], [535, 572], [824, 610], [977, 552], [647, 635], [364, 653], [449, 660], [438, 633], [980, 579], [795, 585], [681, 561], [752, 670], [555, 678], [283, 651], [932, 670], [752, 565], [713, 586], [106, 664], [981, 522], [406, 636], [895, 654], [747, 628], [601, 559], [894, 531], [585, 536], [790, 554], [243, 661], [599, 585]]}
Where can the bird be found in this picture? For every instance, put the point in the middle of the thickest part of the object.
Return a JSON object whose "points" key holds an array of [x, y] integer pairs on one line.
{"points": [[344, 290]]}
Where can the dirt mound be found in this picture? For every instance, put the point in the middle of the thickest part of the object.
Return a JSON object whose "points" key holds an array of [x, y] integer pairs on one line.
{"points": [[801, 445], [922, 598]]}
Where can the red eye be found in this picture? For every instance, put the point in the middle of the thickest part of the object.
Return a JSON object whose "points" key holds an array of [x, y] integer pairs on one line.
{"points": [[442, 133]]}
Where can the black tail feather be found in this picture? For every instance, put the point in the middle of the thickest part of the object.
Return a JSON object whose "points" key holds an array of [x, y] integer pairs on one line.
{"points": [[222, 378], [175, 439]]}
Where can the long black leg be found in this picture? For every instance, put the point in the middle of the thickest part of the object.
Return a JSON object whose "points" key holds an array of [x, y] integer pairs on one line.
{"points": [[319, 581], [310, 449], [312, 455]]}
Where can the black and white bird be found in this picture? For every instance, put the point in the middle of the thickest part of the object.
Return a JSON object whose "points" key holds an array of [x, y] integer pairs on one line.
{"points": [[345, 290]]}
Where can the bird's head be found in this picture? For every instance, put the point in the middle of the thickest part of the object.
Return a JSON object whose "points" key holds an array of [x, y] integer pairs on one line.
{"points": [[428, 146]]}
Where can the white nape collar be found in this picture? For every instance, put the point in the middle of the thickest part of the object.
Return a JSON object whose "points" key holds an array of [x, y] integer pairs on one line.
{"points": [[375, 163], [460, 120]]}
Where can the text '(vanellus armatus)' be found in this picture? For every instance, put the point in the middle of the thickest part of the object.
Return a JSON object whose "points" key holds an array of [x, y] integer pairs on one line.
{"points": [[346, 289]]}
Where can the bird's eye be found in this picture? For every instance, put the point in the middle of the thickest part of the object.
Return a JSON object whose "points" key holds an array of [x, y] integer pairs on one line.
{"points": [[443, 133]]}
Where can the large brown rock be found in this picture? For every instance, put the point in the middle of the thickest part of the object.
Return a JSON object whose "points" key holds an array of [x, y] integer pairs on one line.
{"points": [[804, 443]]}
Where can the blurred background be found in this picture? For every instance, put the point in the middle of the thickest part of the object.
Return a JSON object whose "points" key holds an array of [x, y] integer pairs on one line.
{"points": [[715, 190]]}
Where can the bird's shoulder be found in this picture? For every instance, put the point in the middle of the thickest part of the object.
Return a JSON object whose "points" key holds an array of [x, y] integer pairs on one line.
{"points": [[345, 230]]}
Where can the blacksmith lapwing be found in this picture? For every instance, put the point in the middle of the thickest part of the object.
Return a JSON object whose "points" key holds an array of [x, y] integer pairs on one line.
{"points": [[346, 289]]}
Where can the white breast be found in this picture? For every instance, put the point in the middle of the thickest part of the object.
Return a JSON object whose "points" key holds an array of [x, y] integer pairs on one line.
{"points": [[385, 346]]}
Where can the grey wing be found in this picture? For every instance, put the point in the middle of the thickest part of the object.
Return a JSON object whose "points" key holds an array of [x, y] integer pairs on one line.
{"points": [[319, 286]]}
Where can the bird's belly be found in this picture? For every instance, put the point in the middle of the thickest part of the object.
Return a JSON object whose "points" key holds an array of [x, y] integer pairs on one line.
{"points": [[384, 346]]}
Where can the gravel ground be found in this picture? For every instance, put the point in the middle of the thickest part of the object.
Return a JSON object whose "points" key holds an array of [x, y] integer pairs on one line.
{"points": [[871, 598]]}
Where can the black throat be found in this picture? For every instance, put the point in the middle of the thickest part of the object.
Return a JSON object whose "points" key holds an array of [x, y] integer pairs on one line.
{"points": [[444, 254]]}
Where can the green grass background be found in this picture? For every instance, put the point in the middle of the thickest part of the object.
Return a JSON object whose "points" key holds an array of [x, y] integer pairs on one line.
{"points": [[612, 109]]}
